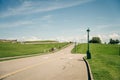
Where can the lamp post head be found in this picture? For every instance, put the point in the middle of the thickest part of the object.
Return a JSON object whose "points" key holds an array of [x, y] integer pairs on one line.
{"points": [[88, 30]]}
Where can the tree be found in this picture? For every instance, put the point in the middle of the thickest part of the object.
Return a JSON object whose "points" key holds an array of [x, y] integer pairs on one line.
{"points": [[114, 41], [95, 40], [117, 41]]}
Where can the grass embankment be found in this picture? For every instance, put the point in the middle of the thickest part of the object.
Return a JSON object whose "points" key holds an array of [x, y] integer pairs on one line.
{"points": [[8, 49], [105, 62]]}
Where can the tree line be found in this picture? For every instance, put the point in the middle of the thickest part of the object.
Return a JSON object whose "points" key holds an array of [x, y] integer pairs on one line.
{"points": [[98, 40]]}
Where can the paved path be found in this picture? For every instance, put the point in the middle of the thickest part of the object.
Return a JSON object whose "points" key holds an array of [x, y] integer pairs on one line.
{"points": [[61, 65]]}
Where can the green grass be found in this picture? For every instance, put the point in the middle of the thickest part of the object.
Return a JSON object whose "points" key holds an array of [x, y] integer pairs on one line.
{"points": [[105, 62], [8, 49]]}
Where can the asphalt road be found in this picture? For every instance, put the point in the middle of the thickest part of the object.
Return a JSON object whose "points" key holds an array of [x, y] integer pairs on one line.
{"points": [[61, 65]]}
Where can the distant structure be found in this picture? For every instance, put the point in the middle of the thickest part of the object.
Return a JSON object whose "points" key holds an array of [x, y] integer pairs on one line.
{"points": [[6, 40]]}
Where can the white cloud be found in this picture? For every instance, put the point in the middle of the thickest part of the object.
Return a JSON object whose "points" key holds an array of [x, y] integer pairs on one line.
{"points": [[29, 7], [46, 17], [106, 26], [15, 23], [31, 38], [114, 36], [21, 23], [79, 39]]}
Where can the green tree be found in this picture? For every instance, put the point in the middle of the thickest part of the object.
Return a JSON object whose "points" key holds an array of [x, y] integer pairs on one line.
{"points": [[95, 40], [117, 41], [114, 41]]}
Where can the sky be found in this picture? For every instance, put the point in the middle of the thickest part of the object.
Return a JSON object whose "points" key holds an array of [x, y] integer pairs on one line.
{"points": [[62, 20]]}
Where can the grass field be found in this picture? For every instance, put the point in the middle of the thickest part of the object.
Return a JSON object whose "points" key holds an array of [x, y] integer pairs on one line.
{"points": [[8, 49], [105, 62]]}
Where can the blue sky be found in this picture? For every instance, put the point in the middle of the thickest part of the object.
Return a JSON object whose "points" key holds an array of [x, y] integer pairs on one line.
{"points": [[62, 20]]}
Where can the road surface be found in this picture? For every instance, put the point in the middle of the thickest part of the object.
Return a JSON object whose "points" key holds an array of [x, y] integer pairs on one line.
{"points": [[61, 65]]}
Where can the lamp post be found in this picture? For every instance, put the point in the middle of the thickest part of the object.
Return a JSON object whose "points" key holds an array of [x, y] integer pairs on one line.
{"points": [[75, 47], [119, 50], [88, 51]]}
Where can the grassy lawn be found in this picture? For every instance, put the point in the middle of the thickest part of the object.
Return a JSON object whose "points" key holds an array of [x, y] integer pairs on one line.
{"points": [[105, 62], [8, 49]]}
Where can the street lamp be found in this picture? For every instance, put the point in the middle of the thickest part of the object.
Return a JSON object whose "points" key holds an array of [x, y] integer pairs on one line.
{"points": [[88, 51], [75, 47]]}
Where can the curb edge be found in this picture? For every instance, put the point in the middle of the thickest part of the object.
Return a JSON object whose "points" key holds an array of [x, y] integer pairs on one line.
{"points": [[90, 76]]}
